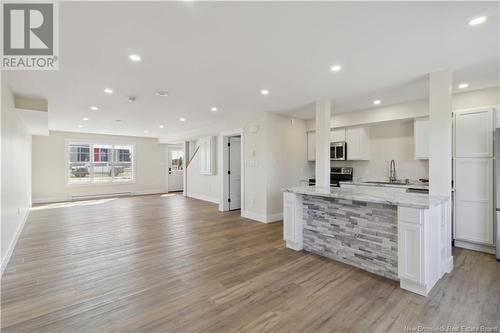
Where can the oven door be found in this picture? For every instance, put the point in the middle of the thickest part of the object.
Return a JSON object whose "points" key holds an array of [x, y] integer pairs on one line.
{"points": [[338, 151]]}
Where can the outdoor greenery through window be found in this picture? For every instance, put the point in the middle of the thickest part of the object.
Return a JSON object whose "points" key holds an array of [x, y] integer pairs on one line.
{"points": [[100, 163]]}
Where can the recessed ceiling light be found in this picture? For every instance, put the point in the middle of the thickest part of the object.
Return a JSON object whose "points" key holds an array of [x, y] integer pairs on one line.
{"points": [[162, 93], [94, 108], [213, 109], [161, 126], [135, 57], [80, 126], [335, 68], [377, 101], [108, 91], [264, 92], [85, 119], [463, 85], [478, 20], [146, 132], [182, 119]]}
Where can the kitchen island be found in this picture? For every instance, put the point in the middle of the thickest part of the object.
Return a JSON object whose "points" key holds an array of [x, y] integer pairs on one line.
{"points": [[401, 236]]}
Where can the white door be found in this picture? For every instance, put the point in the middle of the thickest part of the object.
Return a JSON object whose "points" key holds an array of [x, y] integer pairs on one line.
{"points": [[175, 165], [234, 151], [474, 200]]}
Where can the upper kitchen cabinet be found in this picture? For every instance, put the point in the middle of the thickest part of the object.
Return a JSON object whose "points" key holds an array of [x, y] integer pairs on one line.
{"points": [[337, 135], [358, 143], [311, 146], [421, 137], [474, 133], [207, 155]]}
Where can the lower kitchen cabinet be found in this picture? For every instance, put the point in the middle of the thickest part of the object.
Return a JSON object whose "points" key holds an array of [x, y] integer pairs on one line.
{"points": [[423, 247], [292, 221]]}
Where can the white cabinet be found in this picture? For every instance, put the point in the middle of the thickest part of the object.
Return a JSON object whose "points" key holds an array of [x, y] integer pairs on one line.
{"points": [[423, 254], [421, 136], [337, 135], [474, 200], [474, 133], [358, 143], [207, 155], [292, 221], [311, 146]]}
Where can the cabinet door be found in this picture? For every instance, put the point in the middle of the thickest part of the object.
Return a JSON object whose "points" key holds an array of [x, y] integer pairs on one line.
{"points": [[421, 137], [311, 146], [337, 135], [358, 143], [410, 252], [474, 133], [288, 217], [474, 200]]}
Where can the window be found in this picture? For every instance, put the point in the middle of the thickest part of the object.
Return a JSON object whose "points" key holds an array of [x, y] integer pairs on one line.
{"points": [[100, 163], [177, 159]]}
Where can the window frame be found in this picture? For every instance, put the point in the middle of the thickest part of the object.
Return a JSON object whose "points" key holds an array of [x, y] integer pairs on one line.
{"points": [[91, 181]]}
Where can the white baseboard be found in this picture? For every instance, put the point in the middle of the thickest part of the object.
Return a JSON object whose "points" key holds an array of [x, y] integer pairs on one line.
{"points": [[146, 192], [262, 217], [13, 243], [475, 247], [203, 197]]}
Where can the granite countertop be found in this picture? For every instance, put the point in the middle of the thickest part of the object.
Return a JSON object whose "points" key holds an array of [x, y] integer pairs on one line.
{"points": [[382, 195], [412, 185]]}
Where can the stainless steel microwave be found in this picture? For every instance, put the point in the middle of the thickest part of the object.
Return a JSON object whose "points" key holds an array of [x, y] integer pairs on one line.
{"points": [[338, 151]]}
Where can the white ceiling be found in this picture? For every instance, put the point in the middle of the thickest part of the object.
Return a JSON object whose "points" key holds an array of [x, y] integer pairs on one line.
{"points": [[223, 53]]}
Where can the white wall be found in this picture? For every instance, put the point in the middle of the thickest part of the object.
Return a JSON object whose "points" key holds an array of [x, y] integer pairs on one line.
{"points": [[203, 187], [15, 175], [286, 158], [389, 141], [49, 167]]}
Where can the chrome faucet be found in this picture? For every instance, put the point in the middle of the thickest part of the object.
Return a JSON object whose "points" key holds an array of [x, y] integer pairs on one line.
{"points": [[392, 172]]}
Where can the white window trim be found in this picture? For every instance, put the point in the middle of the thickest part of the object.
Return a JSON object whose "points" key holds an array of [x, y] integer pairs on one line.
{"points": [[67, 142]]}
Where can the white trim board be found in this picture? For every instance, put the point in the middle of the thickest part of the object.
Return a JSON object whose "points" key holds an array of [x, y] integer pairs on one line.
{"points": [[475, 247], [13, 243], [262, 217], [203, 197]]}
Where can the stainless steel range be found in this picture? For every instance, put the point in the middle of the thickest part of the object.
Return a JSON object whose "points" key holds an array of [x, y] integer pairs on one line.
{"points": [[340, 175]]}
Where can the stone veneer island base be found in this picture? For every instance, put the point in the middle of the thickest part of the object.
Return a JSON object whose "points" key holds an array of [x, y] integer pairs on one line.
{"points": [[400, 236]]}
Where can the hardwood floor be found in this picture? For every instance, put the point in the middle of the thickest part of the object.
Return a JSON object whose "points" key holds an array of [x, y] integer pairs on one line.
{"points": [[173, 264]]}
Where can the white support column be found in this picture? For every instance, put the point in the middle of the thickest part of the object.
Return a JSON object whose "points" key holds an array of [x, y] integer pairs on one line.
{"points": [[323, 115], [440, 115], [440, 153]]}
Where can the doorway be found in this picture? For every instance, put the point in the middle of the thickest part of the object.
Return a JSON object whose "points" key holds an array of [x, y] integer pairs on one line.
{"points": [[234, 172], [175, 168]]}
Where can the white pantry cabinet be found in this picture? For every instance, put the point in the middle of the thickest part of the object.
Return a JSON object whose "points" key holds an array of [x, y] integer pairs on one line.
{"points": [[207, 155], [358, 143], [337, 135], [311, 146], [421, 136], [474, 133], [474, 200]]}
